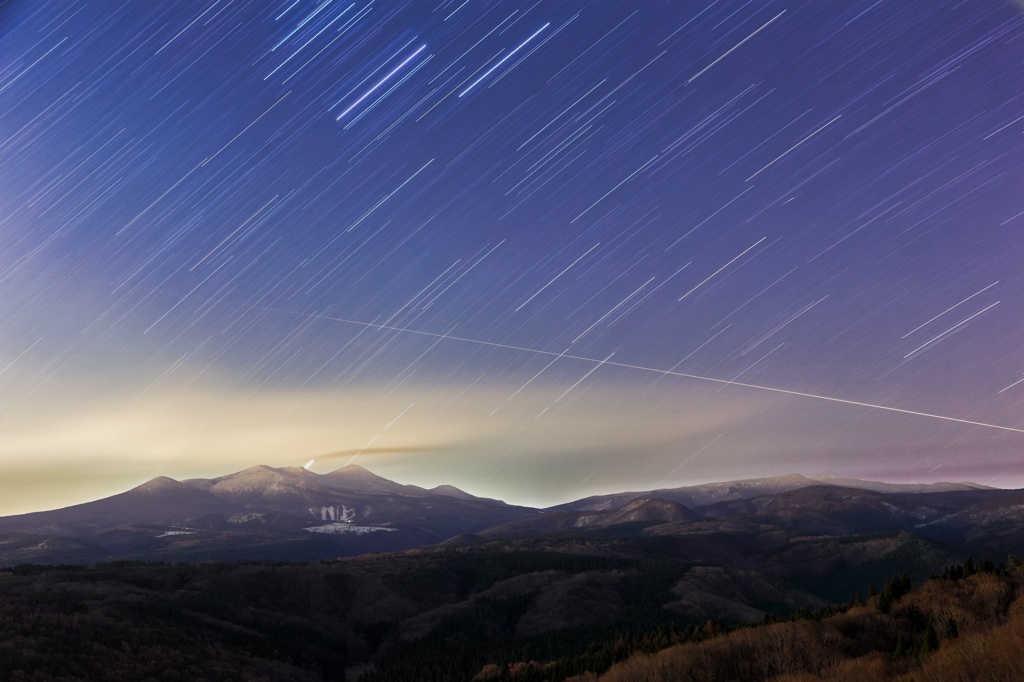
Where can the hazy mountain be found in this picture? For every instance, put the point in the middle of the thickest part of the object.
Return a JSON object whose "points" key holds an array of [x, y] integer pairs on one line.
{"points": [[695, 495], [637, 513], [880, 487], [708, 493], [452, 491]]}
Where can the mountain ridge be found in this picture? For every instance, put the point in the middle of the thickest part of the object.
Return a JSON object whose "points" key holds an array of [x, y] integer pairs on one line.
{"points": [[259, 512], [291, 513], [707, 493]]}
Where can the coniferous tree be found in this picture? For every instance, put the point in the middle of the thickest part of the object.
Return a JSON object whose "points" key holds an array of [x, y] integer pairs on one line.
{"points": [[887, 597], [903, 585], [931, 639], [951, 630], [898, 651]]}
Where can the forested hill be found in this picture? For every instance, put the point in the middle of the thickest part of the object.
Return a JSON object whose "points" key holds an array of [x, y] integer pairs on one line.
{"points": [[520, 612], [967, 624]]}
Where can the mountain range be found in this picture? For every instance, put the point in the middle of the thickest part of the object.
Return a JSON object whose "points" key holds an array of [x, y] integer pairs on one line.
{"points": [[294, 514], [259, 513], [709, 493]]}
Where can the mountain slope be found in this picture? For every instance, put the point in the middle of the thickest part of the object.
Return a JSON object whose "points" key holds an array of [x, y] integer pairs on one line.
{"points": [[260, 512], [824, 539], [694, 495], [880, 487], [638, 513]]}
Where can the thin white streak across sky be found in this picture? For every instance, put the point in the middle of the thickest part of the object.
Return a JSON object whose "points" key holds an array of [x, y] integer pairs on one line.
{"points": [[925, 324], [503, 60], [951, 329], [721, 268], [772, 162], [699, 73], [552, 281], [381, 82], [655, 370]]}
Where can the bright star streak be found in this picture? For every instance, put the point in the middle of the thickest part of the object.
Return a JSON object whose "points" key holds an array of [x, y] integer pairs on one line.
{"points": [[392, 422], [605, 316], [613, 189], [287, 9], [1011, 385], [698, 74], [721, 268], [950, 330], [381, 82], [23, 354], [29, 67], [583, 378], [536, 293], [503, 60], [304, 22], [315, 36], [772, 162], [948, 309], [520, 389]]}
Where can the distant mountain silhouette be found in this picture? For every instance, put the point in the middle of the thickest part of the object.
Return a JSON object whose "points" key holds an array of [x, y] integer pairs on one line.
{"points": [[637, 513], [787, 526], [708, 493], [880, 487]]}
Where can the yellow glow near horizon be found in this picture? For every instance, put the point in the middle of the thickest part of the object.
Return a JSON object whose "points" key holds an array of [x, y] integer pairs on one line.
{"points": [[530, 449]]}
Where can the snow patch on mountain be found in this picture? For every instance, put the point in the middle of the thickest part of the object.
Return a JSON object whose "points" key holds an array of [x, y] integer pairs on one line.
{"points": [[266, 481], [346, 529]]}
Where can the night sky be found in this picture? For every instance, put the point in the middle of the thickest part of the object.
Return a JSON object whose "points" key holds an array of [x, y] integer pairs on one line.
{"points": [[536, 250]]}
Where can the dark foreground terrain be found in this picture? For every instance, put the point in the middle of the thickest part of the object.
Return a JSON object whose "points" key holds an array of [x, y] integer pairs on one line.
{"points": [[524, 610], [967, 625]]}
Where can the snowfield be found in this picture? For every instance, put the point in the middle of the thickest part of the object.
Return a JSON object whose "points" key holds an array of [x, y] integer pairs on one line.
{"points": [[346, 528]]}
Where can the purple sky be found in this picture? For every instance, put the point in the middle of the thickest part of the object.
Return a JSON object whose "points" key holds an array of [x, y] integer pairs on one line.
{"points": [[461, 242]]}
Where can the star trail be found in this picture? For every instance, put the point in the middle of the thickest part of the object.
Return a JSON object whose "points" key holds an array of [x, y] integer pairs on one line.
{"points": [[523, 248]]}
